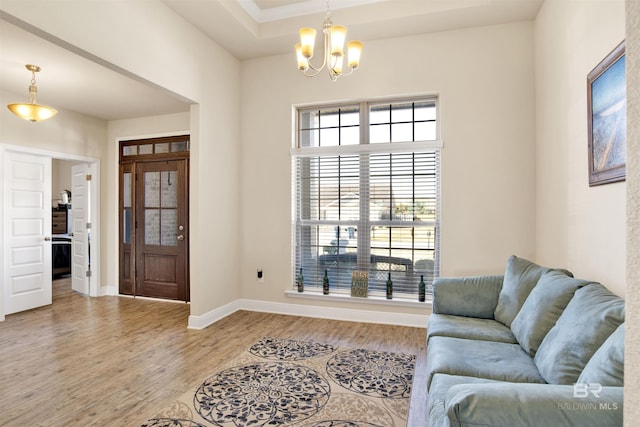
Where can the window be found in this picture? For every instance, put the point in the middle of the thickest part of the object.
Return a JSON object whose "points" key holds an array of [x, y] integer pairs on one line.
{"points": [[366, 195]]}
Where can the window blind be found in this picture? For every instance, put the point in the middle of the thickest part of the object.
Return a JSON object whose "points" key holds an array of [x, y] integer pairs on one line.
{"points": [[366, 207]]}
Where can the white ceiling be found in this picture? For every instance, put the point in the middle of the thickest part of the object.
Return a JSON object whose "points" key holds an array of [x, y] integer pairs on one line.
{"points": [[246, 28]]}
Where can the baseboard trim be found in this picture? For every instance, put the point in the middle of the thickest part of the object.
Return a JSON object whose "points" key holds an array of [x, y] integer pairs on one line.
{"points": [[345, 314], [107, 290], [211, 317]]}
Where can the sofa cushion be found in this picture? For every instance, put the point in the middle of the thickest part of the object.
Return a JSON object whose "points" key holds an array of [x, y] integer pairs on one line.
{"points": [[483, 359], [437, 393], [542, 308], [589, 319], [445, 325], [606, 366], [475, 296], [550, 405], [519, 278]]}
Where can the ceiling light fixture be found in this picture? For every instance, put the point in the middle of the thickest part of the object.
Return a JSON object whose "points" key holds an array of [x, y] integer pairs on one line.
{"points": [[333, 58], [32, 111]]}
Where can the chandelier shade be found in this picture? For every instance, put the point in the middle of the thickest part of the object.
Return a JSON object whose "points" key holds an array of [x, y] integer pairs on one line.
{"points": [[354, 49], [31, 110], [334, 37]]}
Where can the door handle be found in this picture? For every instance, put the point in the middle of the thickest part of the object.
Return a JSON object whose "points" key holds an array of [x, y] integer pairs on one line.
{"points": [[47, 238], [180, 237]]}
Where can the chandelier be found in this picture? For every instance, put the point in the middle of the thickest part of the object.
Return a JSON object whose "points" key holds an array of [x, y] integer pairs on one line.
{"points": [[333, 55], [32, 111]]}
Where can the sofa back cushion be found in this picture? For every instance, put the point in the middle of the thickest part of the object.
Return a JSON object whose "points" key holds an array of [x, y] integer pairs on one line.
{"points": [[474, 296], [606, 367], [589, 319], [519, 278], [543, 307]]}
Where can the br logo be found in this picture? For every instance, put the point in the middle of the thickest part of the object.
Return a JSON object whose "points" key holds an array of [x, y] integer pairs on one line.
{"points": [[582, 390]]}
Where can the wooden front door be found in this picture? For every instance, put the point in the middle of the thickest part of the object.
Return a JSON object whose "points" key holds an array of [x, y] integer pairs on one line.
{"points": [[154, 229]]}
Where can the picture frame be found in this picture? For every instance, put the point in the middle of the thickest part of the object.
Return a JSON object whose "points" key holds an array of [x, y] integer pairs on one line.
{"points": [[607, 119], [360, 284]]}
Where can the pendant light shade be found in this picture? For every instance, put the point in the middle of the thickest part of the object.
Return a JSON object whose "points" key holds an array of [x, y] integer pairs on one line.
{"points": [[31, 110]]}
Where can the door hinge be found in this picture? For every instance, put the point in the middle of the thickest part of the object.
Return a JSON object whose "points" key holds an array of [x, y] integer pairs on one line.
{"points": [[88, 226], [87, 177], [88, 273]]}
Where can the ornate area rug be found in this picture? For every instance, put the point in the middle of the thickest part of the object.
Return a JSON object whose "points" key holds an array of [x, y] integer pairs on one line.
{"points": [[297, 383]]}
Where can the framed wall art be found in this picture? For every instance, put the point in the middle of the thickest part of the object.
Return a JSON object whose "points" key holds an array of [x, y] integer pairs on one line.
{"points": [[607, 118]]}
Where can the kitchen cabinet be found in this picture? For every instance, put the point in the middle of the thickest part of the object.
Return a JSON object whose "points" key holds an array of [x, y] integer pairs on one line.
{"points": [[59, 220]]}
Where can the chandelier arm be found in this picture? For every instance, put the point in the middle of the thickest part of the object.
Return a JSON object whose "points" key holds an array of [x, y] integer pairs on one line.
{"points": [[318, 69], [346, 73], [312, 74], [326, 46]]}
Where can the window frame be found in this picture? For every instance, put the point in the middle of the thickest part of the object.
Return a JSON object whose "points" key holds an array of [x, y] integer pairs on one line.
{"points": [[365, 147]]}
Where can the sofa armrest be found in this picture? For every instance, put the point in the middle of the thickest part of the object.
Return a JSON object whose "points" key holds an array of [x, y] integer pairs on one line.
{"points": [[515, 404], [467, 296]]}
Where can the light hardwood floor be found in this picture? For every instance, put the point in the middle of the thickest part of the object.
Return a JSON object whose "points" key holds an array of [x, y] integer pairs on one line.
{"points": [[114, 361]]}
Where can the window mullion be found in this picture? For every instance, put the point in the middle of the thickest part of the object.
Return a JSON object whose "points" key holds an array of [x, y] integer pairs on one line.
{"points": [[390, 202], [364, 228], [413, 203], [364, 233]]}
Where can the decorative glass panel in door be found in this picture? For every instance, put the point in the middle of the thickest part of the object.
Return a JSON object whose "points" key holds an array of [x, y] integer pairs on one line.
{"points": [[127, 232], [161, 238]]}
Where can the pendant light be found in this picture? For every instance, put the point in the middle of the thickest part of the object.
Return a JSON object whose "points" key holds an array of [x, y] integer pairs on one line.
{"points": [[32, 111]]}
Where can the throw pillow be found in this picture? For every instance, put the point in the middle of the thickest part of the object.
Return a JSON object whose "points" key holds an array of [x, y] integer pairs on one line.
{"points": [[606, 367], [589, 319], [519, 278], [542, 308]]}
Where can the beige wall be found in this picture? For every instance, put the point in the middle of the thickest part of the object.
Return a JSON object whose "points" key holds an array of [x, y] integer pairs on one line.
{"points": [[60, 178], [578, 227], [632, 328], [570, 214], [484, 78], [187, 63]]}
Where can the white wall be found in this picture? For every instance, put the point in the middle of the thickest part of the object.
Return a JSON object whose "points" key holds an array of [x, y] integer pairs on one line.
{"points": [[484, 78], [578, 227], [134, 37], [632, 328]]}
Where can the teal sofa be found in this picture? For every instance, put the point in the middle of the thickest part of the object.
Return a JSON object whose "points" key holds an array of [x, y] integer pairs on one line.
{"points": [[532, 347]]}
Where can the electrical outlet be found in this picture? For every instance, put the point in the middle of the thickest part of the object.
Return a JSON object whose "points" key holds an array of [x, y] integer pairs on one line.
{"points": [[260, 276]]}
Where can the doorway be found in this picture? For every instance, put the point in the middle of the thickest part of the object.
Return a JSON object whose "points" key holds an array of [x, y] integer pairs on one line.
{"points": [[154, 218], [71, 223], [27, 222]]}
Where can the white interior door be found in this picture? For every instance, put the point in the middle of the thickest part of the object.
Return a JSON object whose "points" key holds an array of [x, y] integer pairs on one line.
{"points": [[27, 230], [80, 228]]}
